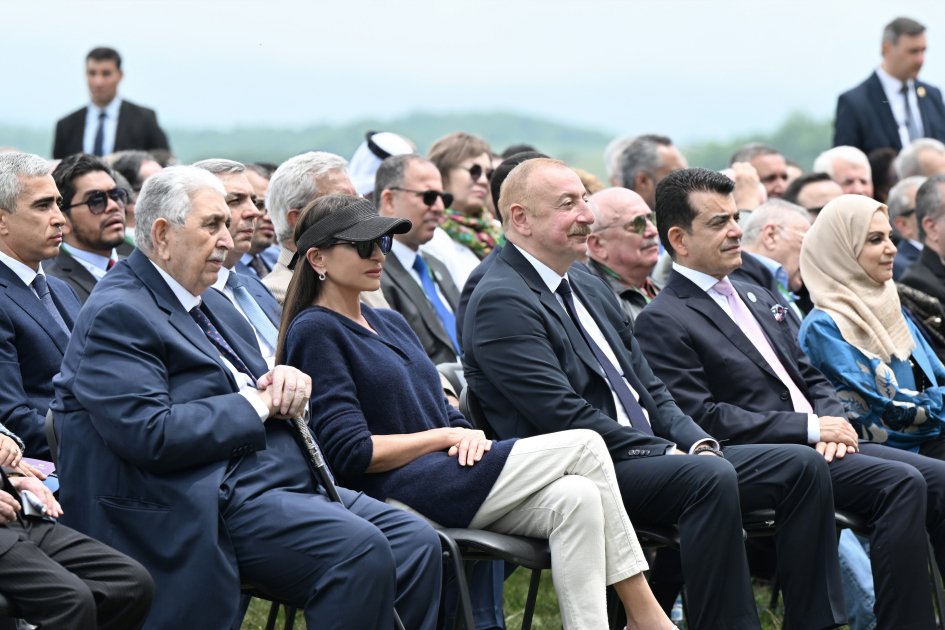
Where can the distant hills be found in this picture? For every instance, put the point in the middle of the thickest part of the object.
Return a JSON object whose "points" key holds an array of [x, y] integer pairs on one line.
{"points": [[799, 137]]}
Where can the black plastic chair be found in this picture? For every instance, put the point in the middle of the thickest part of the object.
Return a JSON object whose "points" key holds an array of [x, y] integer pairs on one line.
{"points": [[8, 614], [454, 374]]}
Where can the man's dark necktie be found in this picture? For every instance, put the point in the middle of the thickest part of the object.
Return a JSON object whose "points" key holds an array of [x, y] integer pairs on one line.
{"points": [[98, 147], [617, 382], [218, 341], [911, 125], [42, 290], [445, 314], [111, 263], [258, 265]]}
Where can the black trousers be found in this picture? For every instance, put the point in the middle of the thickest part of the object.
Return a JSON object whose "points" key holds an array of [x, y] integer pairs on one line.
{"points": [[705, 496], [59, 578], [902, 497]]}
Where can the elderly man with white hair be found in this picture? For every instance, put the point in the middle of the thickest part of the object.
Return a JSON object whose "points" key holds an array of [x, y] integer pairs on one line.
{"points": [[901, 204], [925, 157], [849, 167]]}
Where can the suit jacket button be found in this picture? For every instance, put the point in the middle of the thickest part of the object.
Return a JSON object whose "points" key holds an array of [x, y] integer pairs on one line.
{"points": [[785, 395]]}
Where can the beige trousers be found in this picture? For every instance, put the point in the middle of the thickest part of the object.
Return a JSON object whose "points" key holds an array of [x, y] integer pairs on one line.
{"points": [[562, 486]]}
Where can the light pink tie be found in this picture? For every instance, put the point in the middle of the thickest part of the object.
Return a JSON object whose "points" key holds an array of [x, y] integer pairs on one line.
{"points": [[749, 325]]}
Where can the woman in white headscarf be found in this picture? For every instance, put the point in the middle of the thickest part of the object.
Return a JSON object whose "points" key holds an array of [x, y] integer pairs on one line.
{"points": [[886, 373]]}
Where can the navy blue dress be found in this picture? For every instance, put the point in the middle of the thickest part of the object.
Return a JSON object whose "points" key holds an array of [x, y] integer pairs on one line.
{"points": [[365, 383]]}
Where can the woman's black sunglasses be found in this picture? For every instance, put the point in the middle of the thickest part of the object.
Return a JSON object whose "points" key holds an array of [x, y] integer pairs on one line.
{"points": [[366, 248]]}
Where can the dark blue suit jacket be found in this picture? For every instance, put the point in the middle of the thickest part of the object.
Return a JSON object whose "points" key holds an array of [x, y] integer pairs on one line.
{"points": [[865, 120], [31, 350], [156, 441], [532, 372], [906, 256], [716, 374]]}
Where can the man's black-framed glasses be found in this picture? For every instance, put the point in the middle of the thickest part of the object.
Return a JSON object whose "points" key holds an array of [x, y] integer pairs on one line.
{"points": [[429, 196], [98, 200]]}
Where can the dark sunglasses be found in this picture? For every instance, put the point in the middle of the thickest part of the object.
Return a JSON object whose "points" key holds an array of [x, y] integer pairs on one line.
{"points": [[476, 171], [429, 196], [366, 248], [98, 201]]}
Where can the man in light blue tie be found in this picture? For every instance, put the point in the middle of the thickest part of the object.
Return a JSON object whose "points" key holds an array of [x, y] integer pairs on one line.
{"points": [[418, 285], [245, 292]]}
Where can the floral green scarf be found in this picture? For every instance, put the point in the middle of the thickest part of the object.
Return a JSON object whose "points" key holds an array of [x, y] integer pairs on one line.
{"points": [[480, 234]]}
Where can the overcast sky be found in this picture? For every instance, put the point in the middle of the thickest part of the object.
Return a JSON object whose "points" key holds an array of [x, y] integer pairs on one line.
{"points": [[694, 69]]}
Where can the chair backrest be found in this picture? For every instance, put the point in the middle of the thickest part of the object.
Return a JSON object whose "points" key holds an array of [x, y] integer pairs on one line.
{"points": [[52, 438], [469, 406], [454, 374]]}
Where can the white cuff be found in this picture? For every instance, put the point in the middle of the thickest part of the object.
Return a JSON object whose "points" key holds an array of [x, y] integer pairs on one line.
{"points": [[707, 441], [251, 395], [813, 428]]}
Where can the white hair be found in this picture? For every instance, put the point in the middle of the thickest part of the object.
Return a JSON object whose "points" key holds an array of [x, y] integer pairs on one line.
{"points": [[168, 195], [771, 212], [14, 166], [293, 186], [612, 154], [898, 198], [907, 162], [220, 166], [825, 161]]}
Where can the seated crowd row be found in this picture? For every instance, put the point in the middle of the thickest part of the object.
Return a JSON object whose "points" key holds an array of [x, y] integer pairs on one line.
{"points": [[767, 362]]}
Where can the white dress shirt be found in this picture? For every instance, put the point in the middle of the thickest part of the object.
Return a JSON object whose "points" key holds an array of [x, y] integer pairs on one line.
{"points": [[244, 382], [892, 87], [95, 264], [22, 271], [707, 283], [459, 259], [406, 257], [108, 133]]}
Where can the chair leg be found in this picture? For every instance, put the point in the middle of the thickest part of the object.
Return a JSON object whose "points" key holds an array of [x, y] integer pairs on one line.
{"points": [[273, 616], [775, 594], [289, 617], [452, 553], [530, 600], [937, 593]]}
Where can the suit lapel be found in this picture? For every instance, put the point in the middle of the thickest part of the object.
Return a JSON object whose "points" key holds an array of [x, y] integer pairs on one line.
{"points": [[23, 297], [76, 272], [122, 130], [405, 282], [518, 262], [876, 94], [926, 110]]}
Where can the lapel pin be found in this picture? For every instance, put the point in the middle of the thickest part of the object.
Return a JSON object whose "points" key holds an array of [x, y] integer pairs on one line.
{"points": [[779, 313], [751, 296], [920, 91]]}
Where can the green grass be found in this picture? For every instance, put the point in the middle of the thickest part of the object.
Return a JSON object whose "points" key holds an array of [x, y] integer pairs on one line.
{"points": [[546, 609]]}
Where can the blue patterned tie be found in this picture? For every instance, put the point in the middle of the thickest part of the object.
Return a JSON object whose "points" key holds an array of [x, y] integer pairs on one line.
{"points": [[254, 313], [445, 314], [617, 382], [42, 290], [98, 147], [218, 341]]}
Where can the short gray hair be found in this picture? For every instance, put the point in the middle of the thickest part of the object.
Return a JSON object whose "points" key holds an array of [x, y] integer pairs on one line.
{"points": [[612, 154], [898, 198], [824, 161], [220, 166], [391, 172], [168, 195], [907, 162], [929, 201], [293, 186], [748, 152], [902, 26], [13, 166], [640, 156], [773, 211]]}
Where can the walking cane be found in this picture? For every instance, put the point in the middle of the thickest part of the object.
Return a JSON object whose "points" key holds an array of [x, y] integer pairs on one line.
{"points": [[320, 469]]}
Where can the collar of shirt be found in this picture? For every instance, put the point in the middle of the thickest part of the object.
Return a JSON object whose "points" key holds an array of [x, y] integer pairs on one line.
{"points": [[111, 110], [246, 259], [702, 280], [918, 245], [22, 270], [776, 269], [97, 265], [222, 277], [648, 291], [187, 299], [892, 85], [548, 275], [405, 256]]}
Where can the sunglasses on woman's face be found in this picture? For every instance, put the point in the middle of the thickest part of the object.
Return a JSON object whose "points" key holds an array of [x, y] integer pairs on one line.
{"points": [[476, 171], [98, 201], [366, 248]]}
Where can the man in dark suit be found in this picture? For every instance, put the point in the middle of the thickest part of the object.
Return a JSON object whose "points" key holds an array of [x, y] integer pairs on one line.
{"points": [[174, 439], [37, 311], [416, 285], [902, 216], [244, 291], [94, 208], [56, 577], [109, 123], [892, 107], [731, 361], [544, 355]]}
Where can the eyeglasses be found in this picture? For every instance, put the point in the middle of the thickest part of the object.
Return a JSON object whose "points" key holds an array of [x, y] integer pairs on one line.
{"points": [[637, 224], [98, 201], [429, 196], [366, 248], [476, 171]]}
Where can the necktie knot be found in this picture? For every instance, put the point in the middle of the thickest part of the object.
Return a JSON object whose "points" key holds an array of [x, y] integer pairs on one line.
{"points": [[111, 263], [564, 289], [904, 89], [724, 287], [233, 281], [102, 115], [420, 265], [39, 285]]}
